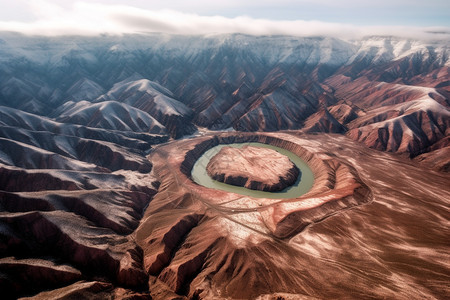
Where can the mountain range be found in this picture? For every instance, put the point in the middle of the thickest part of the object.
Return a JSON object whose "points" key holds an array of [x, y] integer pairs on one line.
{"points": [[79, 116], [234, 81]]}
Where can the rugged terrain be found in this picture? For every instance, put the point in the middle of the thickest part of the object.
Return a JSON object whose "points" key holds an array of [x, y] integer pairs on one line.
{"points": [[363, 231], [254, 168], [98, 136]]}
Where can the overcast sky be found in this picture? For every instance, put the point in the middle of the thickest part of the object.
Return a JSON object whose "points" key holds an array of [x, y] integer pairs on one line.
{"points": [[302, 17]]}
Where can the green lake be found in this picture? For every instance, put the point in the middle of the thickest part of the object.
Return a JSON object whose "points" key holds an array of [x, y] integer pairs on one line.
{"points": [[303, 184]]}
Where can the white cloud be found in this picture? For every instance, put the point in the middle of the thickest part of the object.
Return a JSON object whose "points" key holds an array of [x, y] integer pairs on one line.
{"points": [[95, 18]]}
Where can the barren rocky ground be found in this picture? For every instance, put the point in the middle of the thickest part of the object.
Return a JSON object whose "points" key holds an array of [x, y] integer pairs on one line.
{"points": [[98, 137], [254, 168]]}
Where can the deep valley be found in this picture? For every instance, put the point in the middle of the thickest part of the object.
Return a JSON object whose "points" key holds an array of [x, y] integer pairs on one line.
{"points": [[99, 137]]}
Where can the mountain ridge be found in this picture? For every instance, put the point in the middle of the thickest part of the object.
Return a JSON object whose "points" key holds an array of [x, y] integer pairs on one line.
{"points": [[222, 81], [99, 135]]}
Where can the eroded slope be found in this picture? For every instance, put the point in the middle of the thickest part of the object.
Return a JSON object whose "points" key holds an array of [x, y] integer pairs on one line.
{"points": [[375, 231]]}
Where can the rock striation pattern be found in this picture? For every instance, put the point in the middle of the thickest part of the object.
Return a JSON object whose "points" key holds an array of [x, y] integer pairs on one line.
{"points": [[358, 221], [254, 168], [84, 213], [194, 237], [133, 235], [70, 198], [173, 85]]}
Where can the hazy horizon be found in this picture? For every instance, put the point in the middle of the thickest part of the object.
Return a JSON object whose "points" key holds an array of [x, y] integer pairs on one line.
{"points": [[349, 19]]}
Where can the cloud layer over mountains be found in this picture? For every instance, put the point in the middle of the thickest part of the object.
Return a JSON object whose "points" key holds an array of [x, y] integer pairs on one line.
{"points": [[48, 18]]}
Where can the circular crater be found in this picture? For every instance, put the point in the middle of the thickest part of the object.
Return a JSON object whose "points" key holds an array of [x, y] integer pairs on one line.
{"points": [[332, 185], [255, 168], [188, 223]]}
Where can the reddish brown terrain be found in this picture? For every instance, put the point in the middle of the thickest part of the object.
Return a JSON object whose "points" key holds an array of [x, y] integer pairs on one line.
{"points": [[362, 228], [254, 168], [99, 135]]}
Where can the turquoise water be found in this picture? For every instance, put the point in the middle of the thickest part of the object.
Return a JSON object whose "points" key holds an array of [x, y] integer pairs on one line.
{"points": [[303, 184]]}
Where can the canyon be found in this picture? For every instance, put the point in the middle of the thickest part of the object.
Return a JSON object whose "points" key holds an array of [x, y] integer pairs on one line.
{"points": [[99, 137]]}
